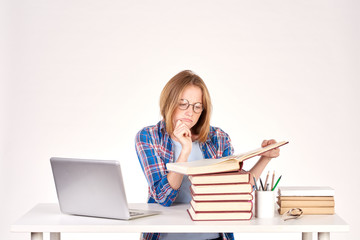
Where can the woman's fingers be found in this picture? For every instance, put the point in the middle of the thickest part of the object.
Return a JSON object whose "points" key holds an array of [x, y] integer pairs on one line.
{"points": [[272, 153], [181, 130]]}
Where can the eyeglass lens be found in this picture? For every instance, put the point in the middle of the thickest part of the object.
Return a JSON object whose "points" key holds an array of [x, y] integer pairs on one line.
{"points": [[184, 104]]}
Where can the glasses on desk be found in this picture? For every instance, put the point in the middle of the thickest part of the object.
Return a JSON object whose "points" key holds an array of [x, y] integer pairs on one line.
{"points": [[293, 213]]}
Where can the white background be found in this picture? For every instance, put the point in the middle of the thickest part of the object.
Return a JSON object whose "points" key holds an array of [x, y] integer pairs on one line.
{"points": [[81, 78]]}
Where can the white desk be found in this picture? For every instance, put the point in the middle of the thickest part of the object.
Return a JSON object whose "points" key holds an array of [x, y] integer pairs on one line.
{"points": [[48, 218]]}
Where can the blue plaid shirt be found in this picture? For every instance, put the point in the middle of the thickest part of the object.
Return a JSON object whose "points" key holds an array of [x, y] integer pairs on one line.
{"points": [[154, 148]]}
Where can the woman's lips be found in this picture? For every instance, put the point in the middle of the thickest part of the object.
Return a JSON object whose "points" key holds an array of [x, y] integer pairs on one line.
{"points": [[186, 120]]}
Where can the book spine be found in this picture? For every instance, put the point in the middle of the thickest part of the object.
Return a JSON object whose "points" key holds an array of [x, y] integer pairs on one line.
{"points": [[239, 171], [228, 188], [306, 203], [224, 201], [222, 184], [250, 207], [230, 183], [237, 219]]}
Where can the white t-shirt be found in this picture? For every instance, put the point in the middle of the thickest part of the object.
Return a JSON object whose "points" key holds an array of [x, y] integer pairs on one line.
{"points": [[184, 196]]}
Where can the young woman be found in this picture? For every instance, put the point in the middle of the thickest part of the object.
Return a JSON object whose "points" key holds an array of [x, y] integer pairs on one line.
{"points": [[184, 134]]}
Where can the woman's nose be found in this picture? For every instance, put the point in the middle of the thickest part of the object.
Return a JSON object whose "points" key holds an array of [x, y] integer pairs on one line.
{"points": [[189, 111]]}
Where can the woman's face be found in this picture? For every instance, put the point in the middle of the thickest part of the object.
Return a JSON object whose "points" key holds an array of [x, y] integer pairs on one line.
{"points": [[192, 94]]}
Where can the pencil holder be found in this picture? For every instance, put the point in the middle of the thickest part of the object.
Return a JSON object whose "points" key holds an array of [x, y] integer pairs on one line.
{"points": [[264, 204]]}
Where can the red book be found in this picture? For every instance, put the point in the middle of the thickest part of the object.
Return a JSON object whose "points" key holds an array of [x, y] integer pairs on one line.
{"points": [[221, 188], [219, 216], [221, 206], [222, 197], [240, 176]]}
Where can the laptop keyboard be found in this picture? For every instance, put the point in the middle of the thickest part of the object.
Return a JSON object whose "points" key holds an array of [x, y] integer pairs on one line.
{"points": [[132, 214]]}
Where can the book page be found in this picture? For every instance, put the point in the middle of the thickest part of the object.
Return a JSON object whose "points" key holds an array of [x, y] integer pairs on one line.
{"points": [[212, 161], [244, 156]]}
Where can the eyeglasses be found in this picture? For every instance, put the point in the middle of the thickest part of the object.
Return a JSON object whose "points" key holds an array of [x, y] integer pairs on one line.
{"points": [[184, 104], [292, 214]]}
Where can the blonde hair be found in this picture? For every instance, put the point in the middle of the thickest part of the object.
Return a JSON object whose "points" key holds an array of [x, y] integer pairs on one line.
{"points": [[170, 97]]}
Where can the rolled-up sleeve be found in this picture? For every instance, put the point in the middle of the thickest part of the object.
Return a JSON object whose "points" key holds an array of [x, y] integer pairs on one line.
{"points": [[154, 169], [221, 142], [228, 148]]}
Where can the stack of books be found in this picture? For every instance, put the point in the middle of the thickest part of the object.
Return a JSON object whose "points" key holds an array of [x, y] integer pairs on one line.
{"points": [[221, 196], [312, 200], [220, 189]]}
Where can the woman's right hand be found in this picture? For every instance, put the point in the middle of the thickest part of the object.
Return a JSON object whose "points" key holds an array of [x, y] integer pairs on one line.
{"points": [[182, 134]]}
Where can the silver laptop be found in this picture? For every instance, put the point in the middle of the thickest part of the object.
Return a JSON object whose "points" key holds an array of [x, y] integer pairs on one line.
{"points": [[92, 188]]}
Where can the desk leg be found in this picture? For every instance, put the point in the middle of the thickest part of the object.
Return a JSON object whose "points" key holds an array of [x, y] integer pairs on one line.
{"points": [[55, 236], [323, 236], [36, 236], [307, 236]]}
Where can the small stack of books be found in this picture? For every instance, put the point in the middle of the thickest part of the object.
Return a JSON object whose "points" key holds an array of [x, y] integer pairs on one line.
{"points": [[312, 200], [221, 196], [220, 189]]}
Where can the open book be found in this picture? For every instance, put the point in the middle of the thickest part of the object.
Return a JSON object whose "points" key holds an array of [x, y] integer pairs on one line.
{"points": [[225, 164]]}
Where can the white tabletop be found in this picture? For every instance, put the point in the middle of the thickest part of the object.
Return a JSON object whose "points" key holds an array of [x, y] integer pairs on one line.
{"points": [[46, 217]]}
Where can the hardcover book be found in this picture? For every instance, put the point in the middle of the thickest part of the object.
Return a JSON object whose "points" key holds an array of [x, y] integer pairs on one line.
{"points": [[306, 191], [218, 178], [222, 197], [221, 206], [311, 211], [301, 204], [221, 188], [226, 164], [305, 198], [219, 216]]}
